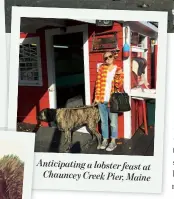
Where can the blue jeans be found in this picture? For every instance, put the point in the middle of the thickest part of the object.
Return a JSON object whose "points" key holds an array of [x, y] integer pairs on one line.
{"points": [[105, 114]]}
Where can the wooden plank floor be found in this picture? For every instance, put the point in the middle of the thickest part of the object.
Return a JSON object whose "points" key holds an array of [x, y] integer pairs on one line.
{"points": [[51, 140]]}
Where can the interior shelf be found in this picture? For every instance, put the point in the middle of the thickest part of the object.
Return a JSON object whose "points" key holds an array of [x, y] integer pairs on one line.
{"points": [[146, 93], [137, 49]]}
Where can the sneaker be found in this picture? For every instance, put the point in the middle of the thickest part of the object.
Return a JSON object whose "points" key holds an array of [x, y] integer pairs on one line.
{"points": [[104, 144], [111, 147]]}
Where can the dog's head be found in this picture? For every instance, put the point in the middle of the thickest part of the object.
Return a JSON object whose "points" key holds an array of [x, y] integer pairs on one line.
{"points": [[47, 115]]}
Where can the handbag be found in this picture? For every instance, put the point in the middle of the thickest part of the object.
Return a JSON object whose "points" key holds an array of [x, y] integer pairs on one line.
{"points": [[119, 102]]}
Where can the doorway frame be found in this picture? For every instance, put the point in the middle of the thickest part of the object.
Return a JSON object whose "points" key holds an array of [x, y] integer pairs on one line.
{"points": [[51, 64]]}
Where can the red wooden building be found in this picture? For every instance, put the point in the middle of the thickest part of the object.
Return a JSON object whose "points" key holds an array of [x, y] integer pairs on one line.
{"points": [[56, 61]]}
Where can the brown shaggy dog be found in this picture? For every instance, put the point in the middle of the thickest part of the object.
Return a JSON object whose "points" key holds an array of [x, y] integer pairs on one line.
{"points": [[68, 119], [11, 177]]}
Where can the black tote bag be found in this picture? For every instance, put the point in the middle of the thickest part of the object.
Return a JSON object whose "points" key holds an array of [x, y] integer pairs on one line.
{"points": [[119, 102]]}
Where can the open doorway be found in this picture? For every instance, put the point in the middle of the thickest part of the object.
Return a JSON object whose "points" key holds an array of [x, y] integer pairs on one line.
{"points": [[69, 69]]}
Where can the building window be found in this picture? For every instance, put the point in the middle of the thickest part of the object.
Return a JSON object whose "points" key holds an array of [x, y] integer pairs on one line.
{"points": [[30, 73]]}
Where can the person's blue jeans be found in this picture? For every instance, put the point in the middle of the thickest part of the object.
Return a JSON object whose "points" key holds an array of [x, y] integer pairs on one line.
{"points": [[105, 114]]}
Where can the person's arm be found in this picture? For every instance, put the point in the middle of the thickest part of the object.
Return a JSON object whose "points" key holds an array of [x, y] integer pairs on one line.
{"points": [[97, 86]]}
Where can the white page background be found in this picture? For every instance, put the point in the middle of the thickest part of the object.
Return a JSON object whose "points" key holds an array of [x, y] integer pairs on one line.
{"points": [[3, 71]]}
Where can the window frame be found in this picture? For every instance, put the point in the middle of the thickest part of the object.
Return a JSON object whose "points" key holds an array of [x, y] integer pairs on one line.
{"points": [[39, 82]]}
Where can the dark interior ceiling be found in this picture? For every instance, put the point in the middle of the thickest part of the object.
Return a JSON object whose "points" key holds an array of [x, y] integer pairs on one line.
{"points": [[30, 25], [152, 5]]}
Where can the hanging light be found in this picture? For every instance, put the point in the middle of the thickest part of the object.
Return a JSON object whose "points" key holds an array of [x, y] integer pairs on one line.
{"points": [[153, 41]]}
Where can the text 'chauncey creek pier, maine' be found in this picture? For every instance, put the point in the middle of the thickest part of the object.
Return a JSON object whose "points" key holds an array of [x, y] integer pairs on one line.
{"points": [[88, 171]]}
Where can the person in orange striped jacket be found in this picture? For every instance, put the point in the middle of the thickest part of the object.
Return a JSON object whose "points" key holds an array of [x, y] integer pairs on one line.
{"points": [[109, 79]]}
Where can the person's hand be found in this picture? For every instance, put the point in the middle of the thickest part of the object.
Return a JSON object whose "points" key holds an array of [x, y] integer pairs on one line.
{"points": [[96, 101]]}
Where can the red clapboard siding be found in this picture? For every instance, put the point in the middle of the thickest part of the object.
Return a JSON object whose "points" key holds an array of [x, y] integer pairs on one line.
{"points": [[95, 58], [156, 53], [149, 76], [32, 99]]}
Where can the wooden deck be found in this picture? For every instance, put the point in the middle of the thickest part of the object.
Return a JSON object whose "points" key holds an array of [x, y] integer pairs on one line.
{"points": [[49, 140]]}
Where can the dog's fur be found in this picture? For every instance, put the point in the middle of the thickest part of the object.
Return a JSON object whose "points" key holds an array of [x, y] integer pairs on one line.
{"points": [[11, 177], [67, 119]]}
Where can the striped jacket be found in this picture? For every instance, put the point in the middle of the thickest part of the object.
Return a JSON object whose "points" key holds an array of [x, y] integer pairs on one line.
{"points": [[117, 82]]}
